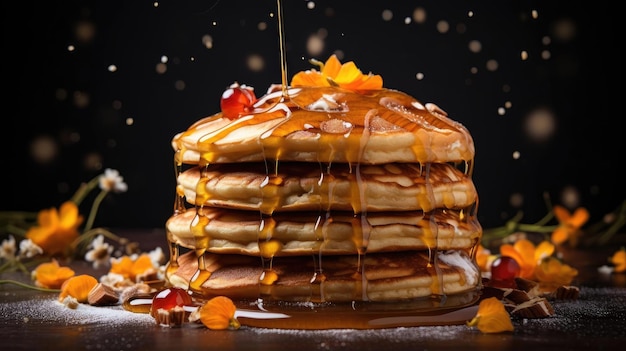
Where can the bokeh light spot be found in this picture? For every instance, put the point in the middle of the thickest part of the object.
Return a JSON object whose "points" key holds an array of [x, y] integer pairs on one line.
{"points": [[443, 27], [475, 46], [387, 15], [419, 15], [161, 68], [315, 45], [207, 41], [516, 200], [492, 65], [540, 124], [44, 149], [564, 30], [179, 85], [255, 63], [570, 197]]}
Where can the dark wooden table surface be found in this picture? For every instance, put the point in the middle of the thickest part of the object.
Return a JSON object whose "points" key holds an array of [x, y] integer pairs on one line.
{"points": [[36, 321]]}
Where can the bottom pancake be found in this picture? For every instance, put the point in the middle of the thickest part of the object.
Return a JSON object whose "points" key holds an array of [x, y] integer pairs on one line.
{"points": [[382, 277]]}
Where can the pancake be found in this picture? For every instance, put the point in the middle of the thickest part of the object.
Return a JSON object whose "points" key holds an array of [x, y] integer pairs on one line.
{"points": [[329, 124], [310, 187], [393, 276], [238, 232], [230, 231], [340, 190]]}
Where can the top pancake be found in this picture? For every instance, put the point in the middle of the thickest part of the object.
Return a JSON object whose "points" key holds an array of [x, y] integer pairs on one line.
{"points": [[329, 125]]}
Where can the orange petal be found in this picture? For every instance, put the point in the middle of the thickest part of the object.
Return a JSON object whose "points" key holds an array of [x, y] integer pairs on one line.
{"points": [[69, 216], [309, 79], [526, 249], [619, 260], [78, 287], [48, 218], [50, 275], [561, 213], [331, 67], [580, 217], [140, 266], [552, 273], [122, 266], [559, 235], [219, 313], [544, 249], [492, 317], [347, 74]]}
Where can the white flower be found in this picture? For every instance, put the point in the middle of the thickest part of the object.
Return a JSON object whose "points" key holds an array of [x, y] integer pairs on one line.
{"points": [[7, 251], [112, 279], [156, 256], [112, 181], [100, 252], [29, 249]]}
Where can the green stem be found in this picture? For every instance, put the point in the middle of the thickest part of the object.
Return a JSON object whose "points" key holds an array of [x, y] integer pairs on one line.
{"points": [[21, 215], [94, 232], [28, 286], [94, 209], [6, 265], [536, 228], [84, 189]]}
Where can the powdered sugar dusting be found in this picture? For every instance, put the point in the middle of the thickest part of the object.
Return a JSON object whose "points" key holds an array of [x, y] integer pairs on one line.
{"points": [[52, 311]]}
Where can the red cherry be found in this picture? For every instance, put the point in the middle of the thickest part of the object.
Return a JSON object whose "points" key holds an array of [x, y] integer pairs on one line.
{"points": [[170, 298], [237, 100], [505, 268]]}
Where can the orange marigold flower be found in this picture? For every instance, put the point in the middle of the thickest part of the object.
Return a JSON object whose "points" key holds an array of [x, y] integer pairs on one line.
{"points": [[50, 275], [218, 314], [56, 230], [527, 255], [78, 287], [491, 317], [333, 73], [552, 273], [129, 268], [569, 224], [619, 260]]}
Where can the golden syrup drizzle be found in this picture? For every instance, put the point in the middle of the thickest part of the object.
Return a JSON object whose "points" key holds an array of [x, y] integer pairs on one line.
{"points": [[268, 247], [270, 191]]}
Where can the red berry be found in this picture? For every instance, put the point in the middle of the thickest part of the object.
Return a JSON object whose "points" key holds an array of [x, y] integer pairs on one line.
{"points": [[170, 298], [504, 268], [237, 100]]}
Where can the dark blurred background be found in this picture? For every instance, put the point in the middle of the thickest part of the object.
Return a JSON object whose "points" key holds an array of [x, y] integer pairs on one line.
{"points": [[90, 85]]}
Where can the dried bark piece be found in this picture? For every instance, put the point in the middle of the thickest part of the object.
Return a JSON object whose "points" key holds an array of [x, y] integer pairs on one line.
{"points": [[538, 307], [566, 292], [102, 295], [516, 296], [173, 317]]}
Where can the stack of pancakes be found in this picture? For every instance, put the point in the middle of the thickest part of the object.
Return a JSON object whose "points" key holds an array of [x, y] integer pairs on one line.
{"points": [[324, 194]]}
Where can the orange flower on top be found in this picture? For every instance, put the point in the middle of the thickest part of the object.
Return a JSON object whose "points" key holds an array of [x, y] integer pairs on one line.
{"points": [[491, 317], [56, 230], [569, 224], [619, 260], [50, 275], [129, 268], [527, 255], [334, 73]]}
